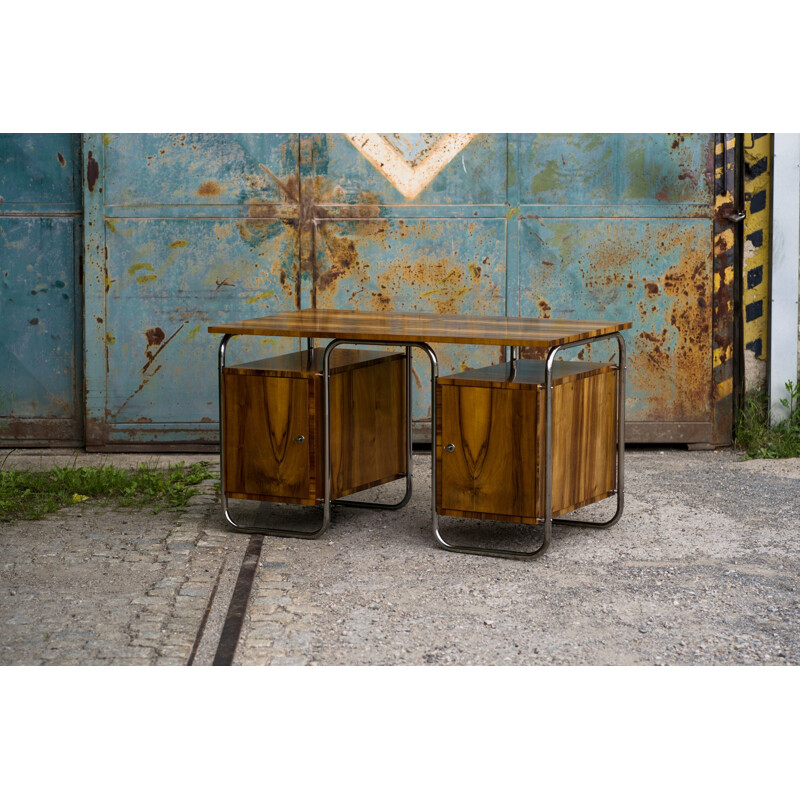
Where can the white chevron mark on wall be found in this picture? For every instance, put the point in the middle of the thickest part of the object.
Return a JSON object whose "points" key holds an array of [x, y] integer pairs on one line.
{"points": [[407, 179]]}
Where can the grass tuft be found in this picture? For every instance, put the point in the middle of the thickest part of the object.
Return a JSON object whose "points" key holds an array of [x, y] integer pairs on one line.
{"points": [[25, 494], [754, 433]]}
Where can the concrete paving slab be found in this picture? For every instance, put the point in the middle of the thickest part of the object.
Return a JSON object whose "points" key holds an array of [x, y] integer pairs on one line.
{"points": [[701, 570]]}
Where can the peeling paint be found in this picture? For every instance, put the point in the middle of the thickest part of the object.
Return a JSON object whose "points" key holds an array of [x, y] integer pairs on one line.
{"points": [[92, 171]]}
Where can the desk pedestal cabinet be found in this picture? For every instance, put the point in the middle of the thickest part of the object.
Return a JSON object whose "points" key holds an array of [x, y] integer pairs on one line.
{"points": [[490, 440], [273, 425]]}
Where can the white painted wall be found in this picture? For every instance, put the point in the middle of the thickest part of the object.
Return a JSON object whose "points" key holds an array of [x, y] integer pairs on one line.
{"points": [[784, 321]]}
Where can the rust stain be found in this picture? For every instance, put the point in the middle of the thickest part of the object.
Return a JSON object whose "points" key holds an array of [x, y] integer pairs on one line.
{"points": [[722, 213], [61, 160], [652, 338], [154, 336], [671, 356], [678, 140], [344, 260], [209, 189], [92, 171], [544, 308], [223, 282], [289, 188]]}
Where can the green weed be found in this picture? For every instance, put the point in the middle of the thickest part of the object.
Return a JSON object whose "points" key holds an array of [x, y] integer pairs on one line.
{"points": [[754, 434], [25, 494]]}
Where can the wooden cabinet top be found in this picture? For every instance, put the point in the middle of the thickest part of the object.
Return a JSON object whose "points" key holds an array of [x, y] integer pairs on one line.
{"points": [[402, 327], [308, 363], [525, 374]]}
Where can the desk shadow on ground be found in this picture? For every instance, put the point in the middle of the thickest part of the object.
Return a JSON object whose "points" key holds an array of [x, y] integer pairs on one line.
{"points": [[457, 531]]}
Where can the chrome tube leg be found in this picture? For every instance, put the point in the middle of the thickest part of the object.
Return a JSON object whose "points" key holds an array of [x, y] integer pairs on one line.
{"points": [[224, 497], [620, 489], [409, 454], [547, 499], [476, 551]]}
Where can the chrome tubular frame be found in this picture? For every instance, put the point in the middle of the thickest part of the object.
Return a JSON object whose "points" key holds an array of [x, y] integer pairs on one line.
{"points": [[548, 461], [326, 506], [620, 487], [326, 511], [547, 521]]}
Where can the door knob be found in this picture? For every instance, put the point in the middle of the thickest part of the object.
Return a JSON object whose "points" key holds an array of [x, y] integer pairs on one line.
{"points": [[450, 448], [300, 439]]}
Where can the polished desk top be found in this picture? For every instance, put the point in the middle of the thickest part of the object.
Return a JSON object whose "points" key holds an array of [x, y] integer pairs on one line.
{"points": [[401, 327]]}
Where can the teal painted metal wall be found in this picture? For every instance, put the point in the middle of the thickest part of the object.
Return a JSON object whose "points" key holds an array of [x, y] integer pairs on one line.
{"points": [[40, 289], [184, 229]]}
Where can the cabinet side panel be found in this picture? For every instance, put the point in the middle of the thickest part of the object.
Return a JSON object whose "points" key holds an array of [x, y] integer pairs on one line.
{"points": [[368, 408], [584, 441]]}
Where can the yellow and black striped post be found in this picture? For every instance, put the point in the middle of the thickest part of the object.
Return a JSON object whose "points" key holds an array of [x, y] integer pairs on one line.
{"points": [[755, 278]]}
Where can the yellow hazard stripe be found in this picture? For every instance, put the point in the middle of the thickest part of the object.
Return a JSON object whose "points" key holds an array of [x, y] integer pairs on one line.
{"points": [[721, 355], [755, 280]]}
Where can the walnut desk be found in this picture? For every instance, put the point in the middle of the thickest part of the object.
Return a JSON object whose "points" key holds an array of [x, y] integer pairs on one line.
{"points": [[522, 441]]}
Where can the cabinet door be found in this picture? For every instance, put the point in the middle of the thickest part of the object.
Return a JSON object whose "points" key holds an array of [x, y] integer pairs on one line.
{"points": [[492, 471], [263, 419]]}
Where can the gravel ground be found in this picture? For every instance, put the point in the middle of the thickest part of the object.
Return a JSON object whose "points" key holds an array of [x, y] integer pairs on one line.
{"points": [[701, 570]]}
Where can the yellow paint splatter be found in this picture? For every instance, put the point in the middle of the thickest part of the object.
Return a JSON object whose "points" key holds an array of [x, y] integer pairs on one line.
{"points": [[146, 278], [136, 267], [178, 243], [257, 298], [110, 338]]}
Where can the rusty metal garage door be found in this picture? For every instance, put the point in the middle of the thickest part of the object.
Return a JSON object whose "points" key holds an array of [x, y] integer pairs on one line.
{"points": [[183, 229]]}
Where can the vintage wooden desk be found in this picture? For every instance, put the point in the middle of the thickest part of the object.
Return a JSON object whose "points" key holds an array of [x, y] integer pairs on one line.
{"points": [[522, 441]]}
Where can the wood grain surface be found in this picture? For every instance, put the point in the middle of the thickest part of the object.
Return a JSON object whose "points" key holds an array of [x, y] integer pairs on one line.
{"points": [[368, 432], [496, 468], [269, 403], [263, 419], [402, 327]]}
